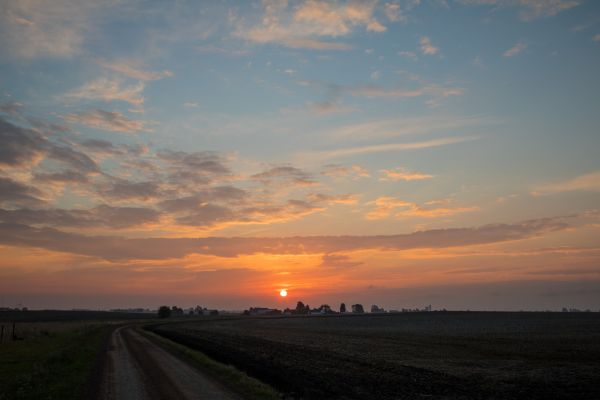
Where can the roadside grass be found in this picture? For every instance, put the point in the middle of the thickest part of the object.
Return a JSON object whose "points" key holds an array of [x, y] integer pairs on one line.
{"points": [[248, 387], [54, 364]]}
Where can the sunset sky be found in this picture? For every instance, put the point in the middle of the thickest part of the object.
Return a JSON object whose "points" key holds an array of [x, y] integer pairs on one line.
{"points": [[399, 153]]}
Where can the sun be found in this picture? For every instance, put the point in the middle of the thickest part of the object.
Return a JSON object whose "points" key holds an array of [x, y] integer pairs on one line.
{"points": [[283, 292]]}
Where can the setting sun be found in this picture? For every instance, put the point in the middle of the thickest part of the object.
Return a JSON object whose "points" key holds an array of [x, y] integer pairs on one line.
{"points": [[283, 292]]}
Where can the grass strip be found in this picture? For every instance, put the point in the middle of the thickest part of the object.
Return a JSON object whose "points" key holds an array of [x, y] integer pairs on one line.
{"points": [[234, 379], [54, 367]]}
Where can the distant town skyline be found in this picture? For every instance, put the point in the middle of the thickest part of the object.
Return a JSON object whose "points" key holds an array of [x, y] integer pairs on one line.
{"points": [[398, 153]]}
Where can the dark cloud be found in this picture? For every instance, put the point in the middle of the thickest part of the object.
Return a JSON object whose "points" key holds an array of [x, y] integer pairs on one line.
{"points": [[208, 215], [338, 261], [226, 194], [285, 173], [116, 248], [20, 146], [13, 192], [101, 216], [23, 147], [106, 120], [73, 158], [11, 108], [124, 190], [67, 176], [206, 161], [109, 148], [198, 168]]}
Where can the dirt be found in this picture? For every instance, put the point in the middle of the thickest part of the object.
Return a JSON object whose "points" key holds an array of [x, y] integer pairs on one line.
{"points": [[136, 368], [409, 355]]}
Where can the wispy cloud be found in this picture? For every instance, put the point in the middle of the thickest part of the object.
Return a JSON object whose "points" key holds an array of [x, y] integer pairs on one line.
{"points": [[108, 90], [411, 55], [340, 171], [106, 120], [516, 49], [120, 248], [386, 206], [133, 69], [379, 148], [305, 25], [427, 47], [402, 174], [588, 182], [32, 29], [529, 9]]}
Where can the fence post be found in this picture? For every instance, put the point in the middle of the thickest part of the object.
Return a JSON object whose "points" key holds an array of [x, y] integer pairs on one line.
{"points": [[13, 332], [2, 334]]}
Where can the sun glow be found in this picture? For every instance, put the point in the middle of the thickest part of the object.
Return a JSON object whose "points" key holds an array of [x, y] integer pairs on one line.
{"points": [[283, 292]]}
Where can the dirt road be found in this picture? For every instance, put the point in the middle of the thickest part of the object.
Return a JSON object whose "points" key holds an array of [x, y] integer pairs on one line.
{"points": [[138, 369]]}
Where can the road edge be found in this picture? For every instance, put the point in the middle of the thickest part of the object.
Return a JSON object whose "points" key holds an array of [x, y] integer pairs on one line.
{"points": [[226, 375]]}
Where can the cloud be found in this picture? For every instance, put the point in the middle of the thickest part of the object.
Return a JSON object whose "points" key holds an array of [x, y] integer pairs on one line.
{"points": [[427, 47], [11, 108], [16, 193], [329, 107], [120, 248], [408, 54], [100, 216], [68, 176], [596, 37], [587, 182], [220, 216], [20, 146], [191, 104], [133, 69], [380, 148], [516, 49], [73, 158], [338, 261], [433, 90], [106, 120], [226, 194], [401, 174], [387, 206], [32, 29], [286, 174], [339, 171], [305, 25], [23, 147], [193, 168], [396, 127], [529, 9], [104, 147], [109, 90], [126, 190], [346, 199]]}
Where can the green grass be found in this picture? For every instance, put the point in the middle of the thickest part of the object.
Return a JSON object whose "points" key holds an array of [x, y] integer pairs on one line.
{"points": [[229, 376], [55, 365]]}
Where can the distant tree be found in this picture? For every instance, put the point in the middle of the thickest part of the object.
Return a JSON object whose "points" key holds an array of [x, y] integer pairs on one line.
{"points": [[343, 307], [164, 312], [376, 309], [325, 309], [358, 309], [301, 308], [176, 311]]}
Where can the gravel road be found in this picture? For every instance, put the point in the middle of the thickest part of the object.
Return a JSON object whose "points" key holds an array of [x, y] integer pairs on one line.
{"points": [[138, 369]]}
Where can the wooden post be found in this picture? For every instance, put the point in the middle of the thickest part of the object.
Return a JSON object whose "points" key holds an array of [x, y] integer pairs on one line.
{"points": [[2, 334], [13, 333]]}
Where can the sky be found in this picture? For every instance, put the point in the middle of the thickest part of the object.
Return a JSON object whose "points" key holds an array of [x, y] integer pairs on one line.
{"points": [[399, 153]]}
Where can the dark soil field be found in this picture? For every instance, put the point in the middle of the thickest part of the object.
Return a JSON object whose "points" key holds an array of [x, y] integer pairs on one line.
{"points": [[452, 355]]}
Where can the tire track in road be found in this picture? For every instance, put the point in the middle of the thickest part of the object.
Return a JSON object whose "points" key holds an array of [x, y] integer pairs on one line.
{"points": [[139, 369]]}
